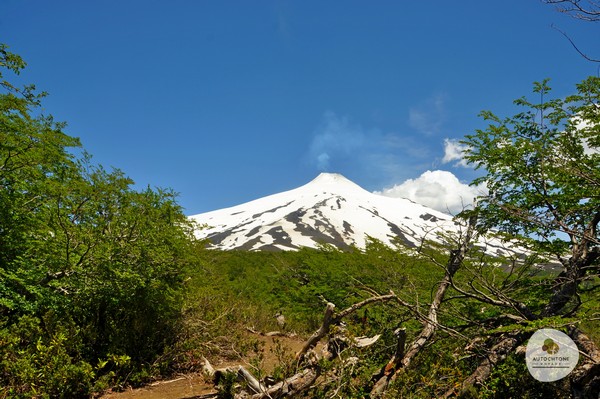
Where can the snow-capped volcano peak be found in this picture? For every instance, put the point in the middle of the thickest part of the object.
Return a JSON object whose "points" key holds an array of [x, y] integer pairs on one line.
{"points": [[333, 182], [329, 209]]}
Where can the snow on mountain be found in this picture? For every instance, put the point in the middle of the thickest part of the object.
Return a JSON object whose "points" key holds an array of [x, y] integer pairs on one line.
{"points": [[329, 209]]}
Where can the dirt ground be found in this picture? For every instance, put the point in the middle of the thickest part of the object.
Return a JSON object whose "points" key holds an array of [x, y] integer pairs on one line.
{"points": [[187, 387], [195, 385]]}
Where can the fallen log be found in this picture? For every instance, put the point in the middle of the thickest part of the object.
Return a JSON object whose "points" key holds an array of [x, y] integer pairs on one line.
{"points": [[289, 387], [306, 377], [252, 382]]}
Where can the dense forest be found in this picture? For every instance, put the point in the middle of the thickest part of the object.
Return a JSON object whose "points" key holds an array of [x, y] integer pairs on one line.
{"points": [[104, 286]]}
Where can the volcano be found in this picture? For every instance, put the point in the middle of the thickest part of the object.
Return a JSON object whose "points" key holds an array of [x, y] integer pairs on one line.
{"points": [[328, 210]]}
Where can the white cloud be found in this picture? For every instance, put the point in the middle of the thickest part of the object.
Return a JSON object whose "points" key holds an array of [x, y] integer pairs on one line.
{"points": [[454, 151], [438, 189], [428, 117], [583, 125]]}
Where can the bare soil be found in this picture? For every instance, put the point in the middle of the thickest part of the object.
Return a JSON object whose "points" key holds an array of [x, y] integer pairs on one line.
{"points": [[195, 385], [188, 387]]}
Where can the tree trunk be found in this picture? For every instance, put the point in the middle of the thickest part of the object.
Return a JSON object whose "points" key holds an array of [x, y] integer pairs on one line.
{"points": [[383, 377], [496, 354], [585, 379], [320, 333], [430, 324]]}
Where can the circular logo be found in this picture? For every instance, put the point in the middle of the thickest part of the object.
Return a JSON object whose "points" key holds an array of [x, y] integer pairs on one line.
{"points": [[551, 355]]}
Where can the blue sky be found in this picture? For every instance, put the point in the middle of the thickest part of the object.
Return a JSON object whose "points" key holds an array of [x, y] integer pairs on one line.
{"points": [[228, 101]]}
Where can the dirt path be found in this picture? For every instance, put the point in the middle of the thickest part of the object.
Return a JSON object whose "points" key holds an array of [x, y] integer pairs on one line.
{"points": [[194, 385], [189, 386]]}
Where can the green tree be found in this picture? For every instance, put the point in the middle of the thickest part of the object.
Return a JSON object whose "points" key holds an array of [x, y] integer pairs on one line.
{"points": [[34, 153], [542, 170], [91, 270]]}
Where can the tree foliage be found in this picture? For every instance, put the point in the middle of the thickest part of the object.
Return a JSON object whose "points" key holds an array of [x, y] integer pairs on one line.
{"points": [[542, 169], [89, 268], [92, 272]]}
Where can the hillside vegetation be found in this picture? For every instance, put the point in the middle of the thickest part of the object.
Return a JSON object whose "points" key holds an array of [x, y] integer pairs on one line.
{"points": [[103, 286], [235, 291]]}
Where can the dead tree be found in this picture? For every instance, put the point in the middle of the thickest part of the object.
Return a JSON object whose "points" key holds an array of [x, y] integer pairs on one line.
{"points": [[402, 359], [494, 355], [307, 360], [498, 294], [330, 318]]}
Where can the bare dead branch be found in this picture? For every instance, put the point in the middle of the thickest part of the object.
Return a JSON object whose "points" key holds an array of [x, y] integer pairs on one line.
{"points": [[382, 378], [356, 306], [320, 333], [497, 353], [330, 318], [581, 53], [430, 323], [589, 12]]}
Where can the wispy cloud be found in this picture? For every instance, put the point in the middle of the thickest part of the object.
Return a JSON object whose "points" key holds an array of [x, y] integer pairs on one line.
{"points": [[428, 117], [335, 138], [340, 144]]}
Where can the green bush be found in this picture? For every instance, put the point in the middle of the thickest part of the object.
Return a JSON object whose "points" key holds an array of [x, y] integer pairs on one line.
{"points": [[39, 363], [91, 270]]}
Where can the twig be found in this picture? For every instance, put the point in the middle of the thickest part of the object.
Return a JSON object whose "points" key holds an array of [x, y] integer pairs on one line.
{"points": [[573, 44]]}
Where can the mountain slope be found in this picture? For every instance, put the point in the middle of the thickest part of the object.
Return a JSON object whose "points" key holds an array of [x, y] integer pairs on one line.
{"points": [[329, 209]]}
